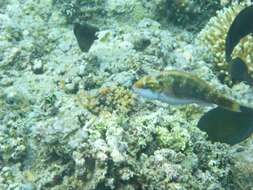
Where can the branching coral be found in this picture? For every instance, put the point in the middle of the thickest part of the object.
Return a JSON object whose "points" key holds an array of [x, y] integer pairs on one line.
{"points": [[177, 138], [214, 34]]}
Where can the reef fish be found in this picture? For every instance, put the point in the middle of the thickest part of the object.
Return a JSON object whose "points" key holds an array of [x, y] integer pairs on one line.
{"points": [[85, 35], [226, 126], [239, 71], [241, 26], [177, 87]]}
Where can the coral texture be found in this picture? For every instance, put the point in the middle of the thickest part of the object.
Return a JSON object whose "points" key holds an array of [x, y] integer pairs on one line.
{"points": [[182, 12], [214, 34], [69, 119]]}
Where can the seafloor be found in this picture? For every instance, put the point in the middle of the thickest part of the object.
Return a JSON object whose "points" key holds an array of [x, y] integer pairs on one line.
{"points": [[69, 119]]}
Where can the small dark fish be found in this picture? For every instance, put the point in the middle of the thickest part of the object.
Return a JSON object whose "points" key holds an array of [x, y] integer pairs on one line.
{"points": [[240, 27], [226, 126], [85, 35], [239, 71]]}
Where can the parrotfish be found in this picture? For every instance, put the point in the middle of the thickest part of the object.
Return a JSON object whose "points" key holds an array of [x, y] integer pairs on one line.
{"points": [[176, 87], [241, 26], [85, 35]]}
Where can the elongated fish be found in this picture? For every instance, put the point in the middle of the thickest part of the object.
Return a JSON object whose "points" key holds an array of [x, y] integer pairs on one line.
{"points": [[241, 26], [176, 87]]}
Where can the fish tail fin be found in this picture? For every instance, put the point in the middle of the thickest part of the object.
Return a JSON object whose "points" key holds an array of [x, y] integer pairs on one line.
{"points": [[228, 104], [236, 107]]}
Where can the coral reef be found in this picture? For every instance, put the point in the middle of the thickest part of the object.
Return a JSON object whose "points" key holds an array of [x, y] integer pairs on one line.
{"points": [[73, 9], [107, 99], [176, 138], [13, 141], [112, 152], [96, 11], [69, 119], [182, 12], [214, 34], [243, 165]]}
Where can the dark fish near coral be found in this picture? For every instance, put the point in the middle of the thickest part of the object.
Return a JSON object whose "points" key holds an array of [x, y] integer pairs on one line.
{"points": [[85, 35], [240, 27], [226, 126], [239, 71], [176, 87]]}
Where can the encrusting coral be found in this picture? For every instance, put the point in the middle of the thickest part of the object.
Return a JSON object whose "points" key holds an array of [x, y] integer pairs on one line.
{"points": [[214, 34], [114, 98]]}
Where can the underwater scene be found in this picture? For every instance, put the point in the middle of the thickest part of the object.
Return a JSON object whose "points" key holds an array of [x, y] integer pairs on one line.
{"points": [[126, 95]]}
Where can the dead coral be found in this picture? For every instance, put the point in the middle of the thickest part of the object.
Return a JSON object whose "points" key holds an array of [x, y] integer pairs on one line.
{"points": [[109, 99]]}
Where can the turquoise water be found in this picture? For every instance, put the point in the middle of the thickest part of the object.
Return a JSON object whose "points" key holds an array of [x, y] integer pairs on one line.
{"points": [[69, 118]]}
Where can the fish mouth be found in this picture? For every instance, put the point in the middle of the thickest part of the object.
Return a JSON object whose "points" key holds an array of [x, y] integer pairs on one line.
{"points": [[146, 93]]}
